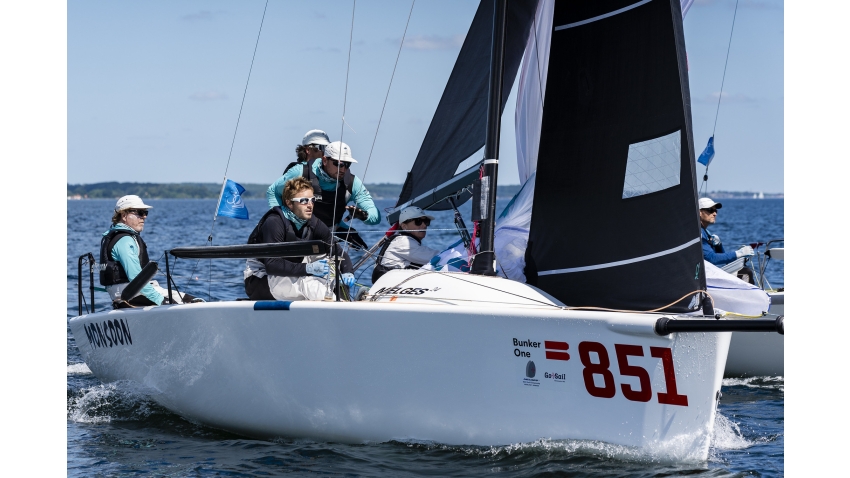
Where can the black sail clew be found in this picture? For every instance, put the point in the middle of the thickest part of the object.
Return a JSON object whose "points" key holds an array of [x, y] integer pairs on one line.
{"points": [[615, 221], [457, 129]]}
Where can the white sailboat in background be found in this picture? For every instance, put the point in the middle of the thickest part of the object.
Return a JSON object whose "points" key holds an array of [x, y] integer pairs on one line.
{"points": [[605, 342]]}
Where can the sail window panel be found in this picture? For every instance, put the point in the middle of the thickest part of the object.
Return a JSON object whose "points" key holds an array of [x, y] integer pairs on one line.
{"points": [[653, 165]]}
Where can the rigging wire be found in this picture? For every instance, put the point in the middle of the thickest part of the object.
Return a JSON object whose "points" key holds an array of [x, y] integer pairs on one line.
{"points": [[374, 297], [233, 141], [537, 55], [341, 133], [704, 187], [239, 116], [386, 97]]}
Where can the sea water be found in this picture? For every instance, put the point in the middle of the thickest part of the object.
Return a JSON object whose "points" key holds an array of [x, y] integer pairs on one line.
{"points": [[115, 429]]}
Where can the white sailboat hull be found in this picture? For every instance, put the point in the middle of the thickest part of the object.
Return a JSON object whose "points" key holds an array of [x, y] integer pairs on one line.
{"points": [[756, 354], [455, 374]]}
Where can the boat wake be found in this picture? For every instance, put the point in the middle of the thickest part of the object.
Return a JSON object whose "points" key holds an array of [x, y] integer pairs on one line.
{"points": [[771, 383], [547, 449], [727, 436], [78, 369], [107, 402]]}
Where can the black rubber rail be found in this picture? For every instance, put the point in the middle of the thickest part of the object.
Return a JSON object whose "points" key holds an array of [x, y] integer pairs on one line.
{"points": [[252, 251], [666, 325], [140, 281]]}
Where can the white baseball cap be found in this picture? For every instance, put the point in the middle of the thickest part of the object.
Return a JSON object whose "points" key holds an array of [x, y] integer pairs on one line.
{"points": [[315, 136], [130, 202], [339, 151], [705, 203], [412, 212]]}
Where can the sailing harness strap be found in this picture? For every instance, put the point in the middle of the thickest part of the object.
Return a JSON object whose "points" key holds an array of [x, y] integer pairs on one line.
{"points": [[292, 165], [380, 268], [112, 272], [329, 205]]}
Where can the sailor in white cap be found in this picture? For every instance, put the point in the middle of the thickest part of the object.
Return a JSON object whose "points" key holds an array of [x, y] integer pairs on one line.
{"points": [[123, 254], [334, 187], [404, 250], [712, 249], [312, 147]]}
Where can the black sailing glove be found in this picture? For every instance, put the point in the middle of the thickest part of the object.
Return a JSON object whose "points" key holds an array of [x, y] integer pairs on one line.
{"points": [[358, 213]]}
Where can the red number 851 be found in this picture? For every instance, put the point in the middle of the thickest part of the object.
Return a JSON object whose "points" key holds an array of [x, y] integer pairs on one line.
{"points": [[623, 351]]}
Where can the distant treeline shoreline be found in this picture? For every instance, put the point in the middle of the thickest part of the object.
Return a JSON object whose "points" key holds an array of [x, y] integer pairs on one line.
{"points": [[114, 190]]}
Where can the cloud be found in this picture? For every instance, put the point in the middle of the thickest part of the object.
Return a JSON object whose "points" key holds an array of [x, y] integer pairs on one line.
{"points": [[762, 5], [432, 42], [754, 4], [323, 49], [203, 15], [147, 137], [738, 98], [208, 96]]}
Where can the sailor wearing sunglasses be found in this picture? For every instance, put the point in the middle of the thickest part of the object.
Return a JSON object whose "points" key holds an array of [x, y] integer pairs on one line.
{"points": [[312, 147], [712, 249], [404, 250], [292, 278], [334, 187], [123, 254]]}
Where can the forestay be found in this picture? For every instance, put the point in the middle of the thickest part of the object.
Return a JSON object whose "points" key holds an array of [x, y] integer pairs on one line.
{"points": [[457, 129]]}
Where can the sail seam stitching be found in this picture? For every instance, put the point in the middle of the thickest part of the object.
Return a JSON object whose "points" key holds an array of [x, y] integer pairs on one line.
{"points": [[601, 17], [620, 263]]}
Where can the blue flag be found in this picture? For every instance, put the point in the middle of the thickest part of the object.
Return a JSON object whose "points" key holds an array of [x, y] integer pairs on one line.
{"points": [[230, 204], [708, 153]]}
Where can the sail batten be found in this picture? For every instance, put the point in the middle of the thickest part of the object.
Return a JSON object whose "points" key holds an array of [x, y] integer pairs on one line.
{"points": [[621, 263], [602, 17]]}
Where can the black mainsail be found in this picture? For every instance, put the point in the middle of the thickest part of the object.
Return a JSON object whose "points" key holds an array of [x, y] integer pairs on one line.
{"points": [[614, 222]]}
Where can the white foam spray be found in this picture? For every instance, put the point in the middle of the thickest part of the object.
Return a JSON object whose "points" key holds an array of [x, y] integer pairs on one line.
{"points": [[78, 369]]}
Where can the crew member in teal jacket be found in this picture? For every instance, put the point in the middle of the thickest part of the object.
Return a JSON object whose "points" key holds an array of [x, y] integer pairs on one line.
{"points": [[123, 254], [334, 187]]}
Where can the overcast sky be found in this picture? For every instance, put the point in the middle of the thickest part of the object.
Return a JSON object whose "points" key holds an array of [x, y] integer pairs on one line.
{"points": [[158, 84]]}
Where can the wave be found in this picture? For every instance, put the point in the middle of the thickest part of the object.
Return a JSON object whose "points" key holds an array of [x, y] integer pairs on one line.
{"points": [[112, 401], [727, 435], [772, 383], [78, 369]]}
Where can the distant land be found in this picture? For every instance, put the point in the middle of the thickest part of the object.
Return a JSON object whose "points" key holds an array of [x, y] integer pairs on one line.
{"points": [[744, 195], [114, 190]]}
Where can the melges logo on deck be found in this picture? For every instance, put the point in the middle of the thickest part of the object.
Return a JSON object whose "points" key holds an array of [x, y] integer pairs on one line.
{"points": [[109, 333], [601, 377], [403, 291]]}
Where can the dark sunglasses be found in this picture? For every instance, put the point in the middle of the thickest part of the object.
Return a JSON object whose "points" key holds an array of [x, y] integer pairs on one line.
{"points": [[710, 210], [138, 212], [420, 220], [340, 164], [303, 201], [317, 146]]}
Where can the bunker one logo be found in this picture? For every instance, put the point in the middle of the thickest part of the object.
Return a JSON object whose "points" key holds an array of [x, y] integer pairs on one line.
{"points": [[551, 350]]}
